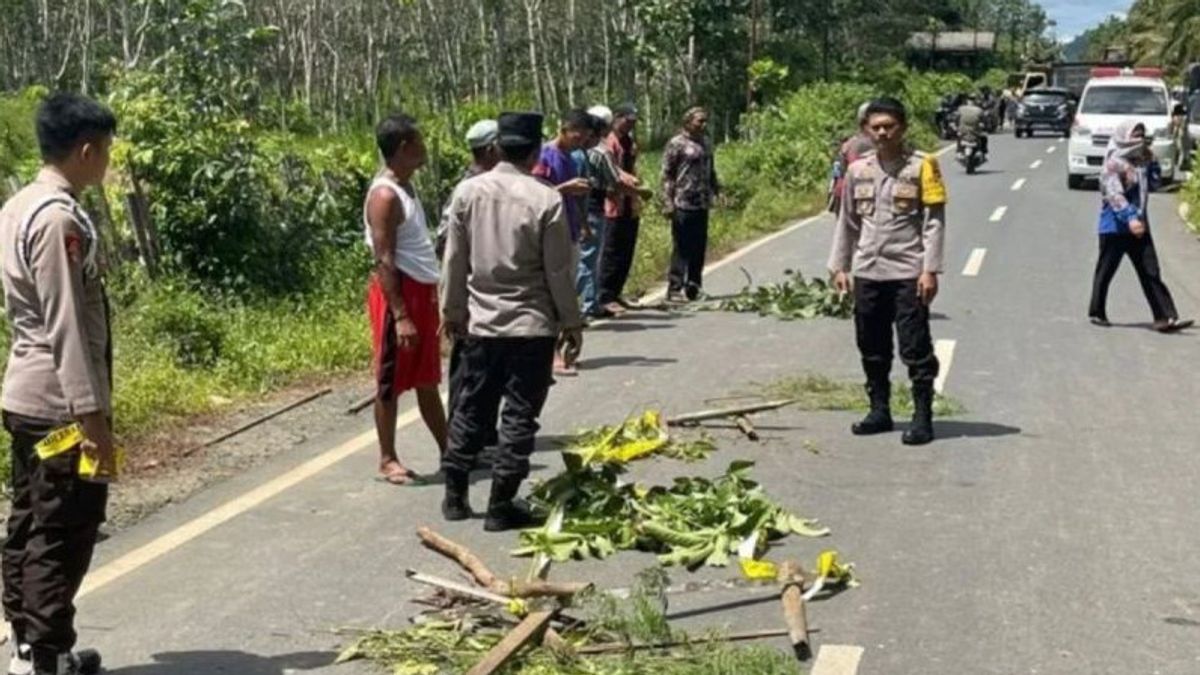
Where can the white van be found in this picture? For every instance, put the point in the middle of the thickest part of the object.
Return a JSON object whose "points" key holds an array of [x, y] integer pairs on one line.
{"points": [[1112, 96]]}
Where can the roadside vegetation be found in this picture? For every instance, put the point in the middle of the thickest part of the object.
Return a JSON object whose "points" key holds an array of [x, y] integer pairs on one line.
{"points": [[247, 272]]}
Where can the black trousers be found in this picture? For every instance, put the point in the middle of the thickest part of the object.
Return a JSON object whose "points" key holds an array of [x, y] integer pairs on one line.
{"points": [[1114, 247], [452, 390], [689, 232], [877, 306], [616, 257], [515, 371], [51, 534]]}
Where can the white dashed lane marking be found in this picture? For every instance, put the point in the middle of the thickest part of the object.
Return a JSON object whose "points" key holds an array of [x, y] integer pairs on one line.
{"points": [[944, 350], [1051, 149], [998, 214], [1035, 164], [1018, 185], [837, 660], [975, 262]]}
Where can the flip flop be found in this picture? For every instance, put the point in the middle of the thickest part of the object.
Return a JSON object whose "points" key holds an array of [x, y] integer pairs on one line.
{"points": [[402, 477]]}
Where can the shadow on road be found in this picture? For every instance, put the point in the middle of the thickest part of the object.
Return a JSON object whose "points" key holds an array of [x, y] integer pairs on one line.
{"points": [[612, 361], [232, 662], [959, 429]]}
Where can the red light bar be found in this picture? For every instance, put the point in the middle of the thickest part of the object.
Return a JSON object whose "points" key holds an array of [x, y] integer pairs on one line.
{"points": [[1113, 71]]}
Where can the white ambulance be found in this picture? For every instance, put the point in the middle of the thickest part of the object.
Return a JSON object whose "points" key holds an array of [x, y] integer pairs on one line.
{"points": [[1111, 96]]}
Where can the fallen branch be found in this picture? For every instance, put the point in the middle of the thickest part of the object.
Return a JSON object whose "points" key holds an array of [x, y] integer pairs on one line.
{"points": [[534, 588], [257, 421], [611, 647]]}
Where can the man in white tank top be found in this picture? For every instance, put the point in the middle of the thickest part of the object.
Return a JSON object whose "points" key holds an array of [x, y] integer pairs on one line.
{"points": [[402, 299]]}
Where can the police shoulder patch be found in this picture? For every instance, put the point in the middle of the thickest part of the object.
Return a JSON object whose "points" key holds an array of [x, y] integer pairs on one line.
{"points": [[933, 186]]}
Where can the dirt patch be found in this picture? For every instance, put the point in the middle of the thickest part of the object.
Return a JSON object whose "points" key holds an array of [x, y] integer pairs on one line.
{"points": [[165, 467]]}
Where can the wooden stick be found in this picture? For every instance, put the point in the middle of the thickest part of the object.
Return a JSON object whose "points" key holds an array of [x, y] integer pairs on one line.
{"points": [[460, 554], [257, 421], [534, 588], [697, 417], [541, 588], [794, 610], [610, 647], [455, 587], [746, 427], [530, 628], [360, 405]]}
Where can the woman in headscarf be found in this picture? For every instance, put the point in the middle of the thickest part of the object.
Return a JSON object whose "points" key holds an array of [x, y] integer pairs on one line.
{"points": [[1125, 184]]}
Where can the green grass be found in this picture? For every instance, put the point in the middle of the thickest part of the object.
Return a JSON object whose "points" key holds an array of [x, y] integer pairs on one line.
{"points": [[820, 393]]}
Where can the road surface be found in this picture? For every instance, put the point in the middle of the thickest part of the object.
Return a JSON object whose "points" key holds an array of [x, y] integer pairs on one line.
{"points": [[1050, 530]]}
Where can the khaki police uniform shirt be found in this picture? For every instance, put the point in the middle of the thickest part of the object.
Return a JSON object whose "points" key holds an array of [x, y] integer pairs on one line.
{"points": [[510, 264], [892, 223], [54, 297]]}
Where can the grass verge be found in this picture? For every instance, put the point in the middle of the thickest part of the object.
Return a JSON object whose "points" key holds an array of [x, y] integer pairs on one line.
{"points": [[820, 393]]}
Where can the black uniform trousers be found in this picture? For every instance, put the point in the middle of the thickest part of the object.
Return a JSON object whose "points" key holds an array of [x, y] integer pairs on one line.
{"points": [[616, 257], [1114, 247], [877, 306], [689, 233], [515, 371], [52, 531], [452, 393]]}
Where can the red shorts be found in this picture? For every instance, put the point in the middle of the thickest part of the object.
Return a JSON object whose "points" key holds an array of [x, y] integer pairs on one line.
{"points": [[398, 370]]}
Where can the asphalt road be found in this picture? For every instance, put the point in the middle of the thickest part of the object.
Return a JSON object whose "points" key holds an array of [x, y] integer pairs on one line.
{"points": [[1050, 530]]}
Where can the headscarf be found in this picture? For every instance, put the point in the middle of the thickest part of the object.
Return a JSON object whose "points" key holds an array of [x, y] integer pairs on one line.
{"points": [[1123, 145], [1127, 158]]}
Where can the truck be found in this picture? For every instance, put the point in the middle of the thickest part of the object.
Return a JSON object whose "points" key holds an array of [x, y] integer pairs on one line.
{"points": [[1069, 75]]}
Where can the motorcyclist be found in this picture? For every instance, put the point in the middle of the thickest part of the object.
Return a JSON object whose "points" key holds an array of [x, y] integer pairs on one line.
{"points": [[970, 125]]}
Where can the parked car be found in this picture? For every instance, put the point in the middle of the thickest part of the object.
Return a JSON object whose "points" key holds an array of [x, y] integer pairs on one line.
{"points": [[1044, 109], [1112, 96], [1191, 133]]}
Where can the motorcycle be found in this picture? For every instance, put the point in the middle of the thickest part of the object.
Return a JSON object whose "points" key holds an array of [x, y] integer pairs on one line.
{"points": [[943, 121], [971, 154]]}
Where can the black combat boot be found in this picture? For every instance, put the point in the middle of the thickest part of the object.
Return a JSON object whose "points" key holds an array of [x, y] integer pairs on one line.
{"points": [[82, 662], [505, 511], [455, 505], [921, 430], [879, 420]]}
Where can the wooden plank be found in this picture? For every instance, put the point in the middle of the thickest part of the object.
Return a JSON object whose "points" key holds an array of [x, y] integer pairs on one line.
{"points": [[529, 630]]}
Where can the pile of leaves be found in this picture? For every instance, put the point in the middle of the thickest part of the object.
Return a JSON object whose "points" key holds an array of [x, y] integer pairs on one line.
{"points": [[793, 298], [698, 521], [453, 646], [692, 523]]}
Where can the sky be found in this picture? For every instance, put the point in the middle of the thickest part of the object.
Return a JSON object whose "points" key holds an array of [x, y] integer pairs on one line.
{"points": [[1076, 16]]}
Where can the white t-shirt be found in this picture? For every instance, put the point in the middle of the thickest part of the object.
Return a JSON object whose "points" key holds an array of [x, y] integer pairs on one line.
{"points": [[415, 256]]}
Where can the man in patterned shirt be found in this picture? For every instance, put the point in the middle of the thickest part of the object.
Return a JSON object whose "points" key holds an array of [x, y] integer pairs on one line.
{"points": [[689, 181]]}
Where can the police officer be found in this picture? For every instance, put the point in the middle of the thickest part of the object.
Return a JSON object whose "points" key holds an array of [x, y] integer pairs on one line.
{"points": [[887, 249], [58, 376], [508, 296]]}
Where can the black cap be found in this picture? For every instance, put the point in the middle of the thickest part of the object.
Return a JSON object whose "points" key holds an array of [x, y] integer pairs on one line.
{"points": [[520, 128], [625, 110]]}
